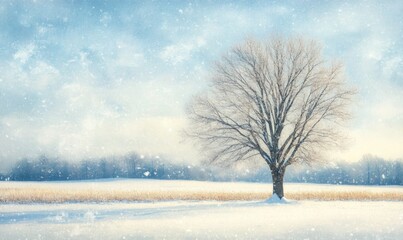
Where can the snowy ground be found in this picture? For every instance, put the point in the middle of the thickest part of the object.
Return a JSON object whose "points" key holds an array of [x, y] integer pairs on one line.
{"points": [[203, 219]]}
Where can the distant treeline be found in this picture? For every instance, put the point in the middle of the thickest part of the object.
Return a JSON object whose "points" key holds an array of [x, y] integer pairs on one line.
{"points": [[133, 166], [370, 170]]}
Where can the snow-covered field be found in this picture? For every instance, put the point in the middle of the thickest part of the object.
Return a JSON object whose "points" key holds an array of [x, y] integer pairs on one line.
{"points": [[202, 219]]}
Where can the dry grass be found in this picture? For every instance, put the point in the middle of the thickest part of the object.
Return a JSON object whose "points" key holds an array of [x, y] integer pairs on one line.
{"points": [[41, 195], [346, 195], [59, 196]]}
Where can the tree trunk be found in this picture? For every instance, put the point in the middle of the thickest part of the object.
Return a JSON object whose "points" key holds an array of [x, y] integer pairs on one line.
{"points": [[278, 179]]}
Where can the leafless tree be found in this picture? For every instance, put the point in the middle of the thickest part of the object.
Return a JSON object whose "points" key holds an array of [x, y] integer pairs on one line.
{"points": [[277, 100]]}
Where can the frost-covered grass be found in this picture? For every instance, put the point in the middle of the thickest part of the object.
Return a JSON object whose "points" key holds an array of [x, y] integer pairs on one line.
{"points": [[158, 190]]}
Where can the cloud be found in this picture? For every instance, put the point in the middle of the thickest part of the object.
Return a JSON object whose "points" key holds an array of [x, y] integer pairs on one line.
{"points": [[376, 138], [127, 54], [43, 75], [24, 53], [179, 52]]}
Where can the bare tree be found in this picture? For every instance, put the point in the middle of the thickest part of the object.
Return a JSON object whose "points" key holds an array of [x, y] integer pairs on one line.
{"points": [[277, 100]]}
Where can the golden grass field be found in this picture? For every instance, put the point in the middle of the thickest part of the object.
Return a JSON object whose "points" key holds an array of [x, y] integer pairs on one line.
{"points": [[61, 196], [54, 193]]}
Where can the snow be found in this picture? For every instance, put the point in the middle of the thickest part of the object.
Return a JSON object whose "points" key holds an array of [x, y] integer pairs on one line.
{"points": [[276, 199], [202, 219]]}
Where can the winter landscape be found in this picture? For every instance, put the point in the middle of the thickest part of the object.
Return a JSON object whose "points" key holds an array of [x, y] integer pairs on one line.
{"points": [[201, 119]]}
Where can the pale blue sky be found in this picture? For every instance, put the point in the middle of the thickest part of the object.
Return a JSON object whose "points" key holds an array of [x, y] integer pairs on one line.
{"points": [[98, 78]]}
